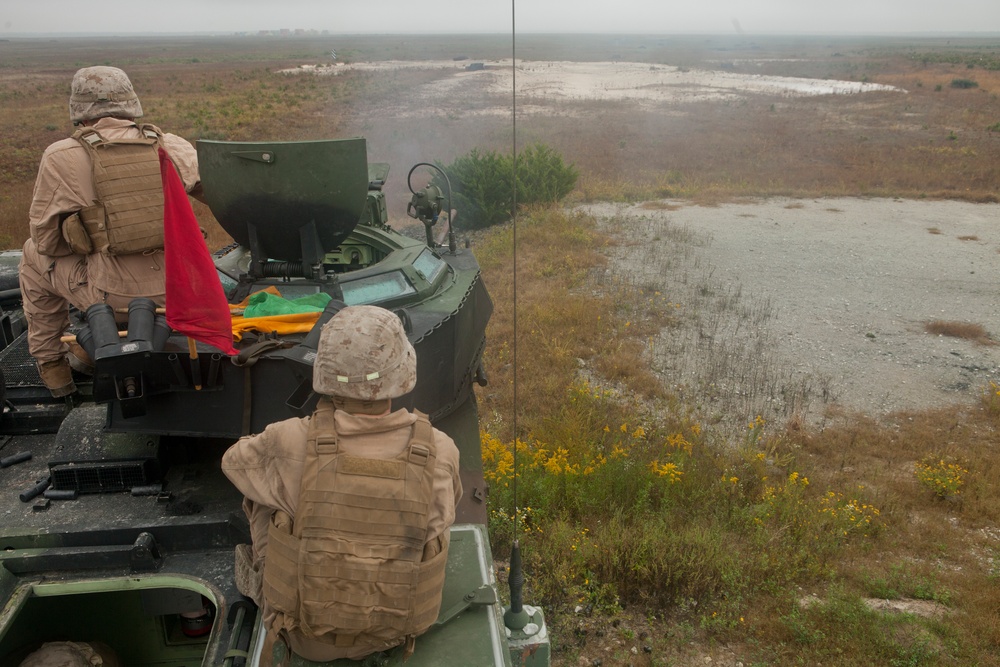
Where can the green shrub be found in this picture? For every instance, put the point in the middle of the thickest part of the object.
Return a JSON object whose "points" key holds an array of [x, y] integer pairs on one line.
{"points": [[482, 183], [481, 188], [542, 176], [964, 83]]}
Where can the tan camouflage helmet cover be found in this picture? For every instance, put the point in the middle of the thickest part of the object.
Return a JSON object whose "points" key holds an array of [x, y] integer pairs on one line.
{"points": [[363, 353], [102, 91], [64, 654]]}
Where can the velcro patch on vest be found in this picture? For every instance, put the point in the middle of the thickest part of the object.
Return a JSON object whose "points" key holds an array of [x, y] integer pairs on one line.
{"points": [[357, 465]]}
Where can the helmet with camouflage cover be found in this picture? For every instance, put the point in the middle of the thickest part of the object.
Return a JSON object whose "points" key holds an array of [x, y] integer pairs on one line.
{"points": [[72, 654], [363, 353], [102, 91]]}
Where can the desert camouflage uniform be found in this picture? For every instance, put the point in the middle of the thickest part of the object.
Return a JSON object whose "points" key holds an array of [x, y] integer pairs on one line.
{"points": [[267, 469], [363, 361], [51, 275]]}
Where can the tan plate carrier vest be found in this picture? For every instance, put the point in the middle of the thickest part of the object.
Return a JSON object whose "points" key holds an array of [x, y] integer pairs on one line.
{"points": [[128, 214], [350, 569]]}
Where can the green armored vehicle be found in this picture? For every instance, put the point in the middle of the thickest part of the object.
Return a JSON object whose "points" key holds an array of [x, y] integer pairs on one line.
{"points": [[118, 526]]}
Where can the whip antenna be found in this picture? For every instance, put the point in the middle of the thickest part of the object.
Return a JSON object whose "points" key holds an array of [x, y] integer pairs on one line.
{"points": [[515, 618]]}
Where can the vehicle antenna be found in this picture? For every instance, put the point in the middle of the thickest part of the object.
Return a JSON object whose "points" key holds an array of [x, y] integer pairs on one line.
{"points": [[515, 618]]}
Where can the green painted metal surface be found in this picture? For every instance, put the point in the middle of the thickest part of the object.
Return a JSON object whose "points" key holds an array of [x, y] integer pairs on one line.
{"points": [[281, 187]]}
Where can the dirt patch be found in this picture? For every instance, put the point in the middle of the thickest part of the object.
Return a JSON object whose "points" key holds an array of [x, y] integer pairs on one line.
{"points": [[796, 306]]}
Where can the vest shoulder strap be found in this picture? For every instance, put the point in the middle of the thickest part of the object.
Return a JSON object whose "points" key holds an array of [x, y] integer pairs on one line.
{"points": [[92, 139], [89, 137], [421, 448], [150, 131], [322, 435]]}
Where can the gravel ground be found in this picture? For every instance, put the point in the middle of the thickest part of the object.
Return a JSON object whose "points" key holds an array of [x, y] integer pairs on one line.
{"points": [[833, 293]]}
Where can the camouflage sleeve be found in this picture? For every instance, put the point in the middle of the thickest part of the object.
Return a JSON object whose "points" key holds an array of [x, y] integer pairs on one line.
{"points": [[447, 486], [57, 194], [185, 158], [267, 468]]}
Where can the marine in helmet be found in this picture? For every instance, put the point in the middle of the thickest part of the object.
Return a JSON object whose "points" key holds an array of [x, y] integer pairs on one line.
{"points": [[350, 507], [96, 216]]}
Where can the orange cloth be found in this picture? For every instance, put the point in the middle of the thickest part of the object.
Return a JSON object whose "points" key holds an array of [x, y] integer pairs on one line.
{"points": [[280, 324]]}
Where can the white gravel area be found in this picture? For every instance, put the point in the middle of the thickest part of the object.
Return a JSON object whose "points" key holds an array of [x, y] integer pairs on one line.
{"points": [[850, 284], [541, 83]]}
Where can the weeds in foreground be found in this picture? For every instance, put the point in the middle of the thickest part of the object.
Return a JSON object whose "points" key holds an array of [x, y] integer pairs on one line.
{"points": [[661, 516], [818, 631], [771, 540], [943, 478]]}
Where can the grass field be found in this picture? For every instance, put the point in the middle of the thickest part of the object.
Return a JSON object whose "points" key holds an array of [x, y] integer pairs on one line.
{"points": [[652, 538]]}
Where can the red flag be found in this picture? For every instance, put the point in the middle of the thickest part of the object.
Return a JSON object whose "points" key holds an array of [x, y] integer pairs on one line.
{"points": [[196, 304]]}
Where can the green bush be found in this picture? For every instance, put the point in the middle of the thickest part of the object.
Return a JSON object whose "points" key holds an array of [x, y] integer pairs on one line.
{"points": [[964, 83], [542, 176], [482, 183]]}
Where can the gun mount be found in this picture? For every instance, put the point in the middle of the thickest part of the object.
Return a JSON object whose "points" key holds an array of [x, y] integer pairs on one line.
{"points": [[290, 203]]}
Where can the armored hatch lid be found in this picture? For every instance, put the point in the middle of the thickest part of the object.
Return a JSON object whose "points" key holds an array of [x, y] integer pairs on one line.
{"points": [[279, 198]]}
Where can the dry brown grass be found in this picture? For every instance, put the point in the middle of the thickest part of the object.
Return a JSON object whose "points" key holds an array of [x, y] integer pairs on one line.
{"points": [[965, 330], [566, 330], [942, 550]]}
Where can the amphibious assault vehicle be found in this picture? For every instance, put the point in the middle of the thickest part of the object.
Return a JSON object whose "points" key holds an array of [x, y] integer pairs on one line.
{"points": [[116, 524]]}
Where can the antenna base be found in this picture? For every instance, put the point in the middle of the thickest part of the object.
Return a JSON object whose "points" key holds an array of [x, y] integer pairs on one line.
{"points": [[516, 620], [529, 646]]}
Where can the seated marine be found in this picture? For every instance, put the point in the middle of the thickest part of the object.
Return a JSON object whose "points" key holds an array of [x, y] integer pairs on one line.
{"points": [[96, 218], [349, 508]]}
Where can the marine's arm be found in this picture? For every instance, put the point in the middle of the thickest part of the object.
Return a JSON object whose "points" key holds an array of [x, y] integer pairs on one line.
{"points": [[58, 193], [185, 158], [266, 468], [447, 485]]}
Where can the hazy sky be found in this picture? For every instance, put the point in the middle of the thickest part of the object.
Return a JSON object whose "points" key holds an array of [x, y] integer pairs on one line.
{"points": [[449, 16]]}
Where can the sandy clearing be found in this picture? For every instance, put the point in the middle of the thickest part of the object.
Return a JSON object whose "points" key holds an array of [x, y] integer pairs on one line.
{"points": [[642, 84], [850, 283]]}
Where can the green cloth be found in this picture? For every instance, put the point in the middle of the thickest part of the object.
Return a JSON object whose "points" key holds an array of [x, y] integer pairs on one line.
{"points": [[265, 304]]}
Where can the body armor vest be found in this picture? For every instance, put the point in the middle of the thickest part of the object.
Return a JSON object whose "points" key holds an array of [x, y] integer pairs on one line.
{"points": [[350, 570], [128, 214]]}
